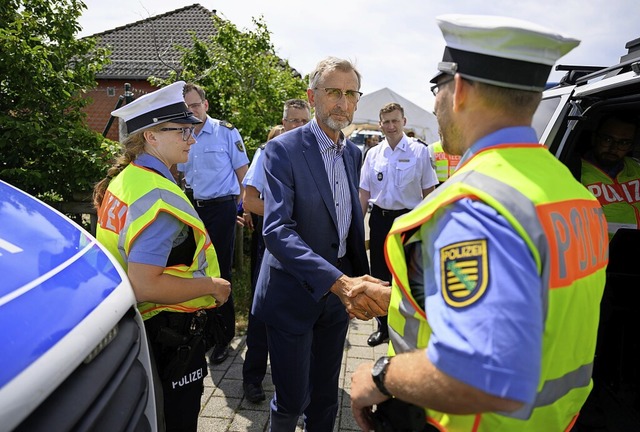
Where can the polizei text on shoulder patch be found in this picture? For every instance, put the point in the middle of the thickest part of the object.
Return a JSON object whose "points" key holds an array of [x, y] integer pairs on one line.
{"points": [[464, 272]]}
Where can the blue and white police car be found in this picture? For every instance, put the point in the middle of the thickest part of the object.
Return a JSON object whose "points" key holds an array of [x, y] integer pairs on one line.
{"points": [[73, 351]]}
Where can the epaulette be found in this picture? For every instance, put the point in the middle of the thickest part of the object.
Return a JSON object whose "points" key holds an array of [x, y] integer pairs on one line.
{"points": [[226, 124]]}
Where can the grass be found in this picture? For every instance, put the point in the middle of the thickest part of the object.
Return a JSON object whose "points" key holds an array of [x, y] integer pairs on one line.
{"points": [[241, 278]]}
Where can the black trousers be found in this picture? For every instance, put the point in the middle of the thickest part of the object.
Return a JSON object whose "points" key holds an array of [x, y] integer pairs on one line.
{"points": [[220, 221], [254, 367], [179, 356], [380, 222]]}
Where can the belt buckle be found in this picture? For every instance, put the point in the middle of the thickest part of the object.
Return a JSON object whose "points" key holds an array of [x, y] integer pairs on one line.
{"points": [[385, 212], [199, 203]]}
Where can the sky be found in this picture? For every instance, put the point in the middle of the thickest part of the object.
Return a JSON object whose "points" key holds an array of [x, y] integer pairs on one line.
{"points": [[394, 43]]}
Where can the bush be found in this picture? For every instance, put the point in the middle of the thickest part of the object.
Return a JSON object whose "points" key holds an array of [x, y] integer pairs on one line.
{"points": [[47, 149]]}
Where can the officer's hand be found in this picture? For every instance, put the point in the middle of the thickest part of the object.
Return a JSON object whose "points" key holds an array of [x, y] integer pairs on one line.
{"points": [[364, 394], [364, 299], [371, 293], [371, 301], [340, 288], [221, 290]]}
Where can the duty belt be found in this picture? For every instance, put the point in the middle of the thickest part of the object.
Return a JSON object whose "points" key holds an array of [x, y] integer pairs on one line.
{"points": [[212, 201], [389, 213]]}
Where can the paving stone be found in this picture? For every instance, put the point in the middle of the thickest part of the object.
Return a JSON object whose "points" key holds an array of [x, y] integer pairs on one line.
{"points": [[225, 409]]}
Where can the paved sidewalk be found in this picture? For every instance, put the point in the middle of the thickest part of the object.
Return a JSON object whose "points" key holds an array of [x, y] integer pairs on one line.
{"points": [[225, 409]]}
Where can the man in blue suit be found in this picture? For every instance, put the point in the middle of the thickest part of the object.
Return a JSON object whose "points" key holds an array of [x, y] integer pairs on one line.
{"points": [[312, 273]]}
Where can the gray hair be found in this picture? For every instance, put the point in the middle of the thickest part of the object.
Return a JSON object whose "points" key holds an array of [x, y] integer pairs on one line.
{"points": [[331, 64], [295, 103]]}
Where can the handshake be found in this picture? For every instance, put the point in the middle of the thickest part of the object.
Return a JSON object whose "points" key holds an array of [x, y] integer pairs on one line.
{"points": [[364, 297]]}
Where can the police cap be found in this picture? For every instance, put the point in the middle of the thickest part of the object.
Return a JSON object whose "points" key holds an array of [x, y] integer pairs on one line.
{"points": [[161, 106], [501, 51]]}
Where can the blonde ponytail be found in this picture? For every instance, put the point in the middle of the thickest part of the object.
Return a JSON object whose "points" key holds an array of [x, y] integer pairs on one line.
{"points": [[133, 146]]}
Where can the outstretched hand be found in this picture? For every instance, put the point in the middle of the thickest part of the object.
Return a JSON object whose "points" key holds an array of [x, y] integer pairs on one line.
{"points": [[364, 297], [371, 294]]}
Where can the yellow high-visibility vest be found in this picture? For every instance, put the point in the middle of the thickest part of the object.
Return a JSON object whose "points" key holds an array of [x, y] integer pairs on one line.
{"points": [[619, 197], [565, 230], [133, 200], [444, 163]]}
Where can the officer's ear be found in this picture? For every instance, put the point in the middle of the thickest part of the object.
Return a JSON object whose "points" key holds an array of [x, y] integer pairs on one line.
{"points": [[460, 92], [150, 137]]}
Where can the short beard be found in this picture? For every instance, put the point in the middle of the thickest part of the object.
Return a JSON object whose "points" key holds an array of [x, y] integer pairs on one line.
{"points": [[337, 125], [450, 133]]}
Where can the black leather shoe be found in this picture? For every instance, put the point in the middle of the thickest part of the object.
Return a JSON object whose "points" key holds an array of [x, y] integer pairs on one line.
{"points": [[378, 337], [253, 392], [219, 354]]}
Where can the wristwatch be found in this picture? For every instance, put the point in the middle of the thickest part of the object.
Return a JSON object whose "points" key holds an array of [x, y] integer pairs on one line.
{"points": [[378, 373]]}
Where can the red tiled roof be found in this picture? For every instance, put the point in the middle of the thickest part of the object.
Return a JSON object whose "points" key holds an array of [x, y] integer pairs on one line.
{"points": [[148, 47]]}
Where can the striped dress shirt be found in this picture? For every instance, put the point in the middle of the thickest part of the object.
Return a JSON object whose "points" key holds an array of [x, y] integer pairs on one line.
{"points": [[337, 176]]}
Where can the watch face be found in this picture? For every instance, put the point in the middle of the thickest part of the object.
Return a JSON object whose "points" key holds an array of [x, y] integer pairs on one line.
{"points": [[378, 373], [379, 366]]}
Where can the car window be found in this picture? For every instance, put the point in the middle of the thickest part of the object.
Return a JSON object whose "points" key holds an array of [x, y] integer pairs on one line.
{"points": [[543, 114]]}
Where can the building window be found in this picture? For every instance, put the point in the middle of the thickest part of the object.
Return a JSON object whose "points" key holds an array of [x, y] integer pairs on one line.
{"points": [[111, 91]]}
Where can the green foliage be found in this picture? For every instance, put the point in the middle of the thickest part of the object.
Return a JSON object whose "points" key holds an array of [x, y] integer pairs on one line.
{"points": [[245, 81], [46, 147], [241, 280]]}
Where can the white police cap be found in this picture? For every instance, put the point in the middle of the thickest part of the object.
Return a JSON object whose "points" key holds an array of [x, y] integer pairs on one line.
{"points": [[502, 51], [160, 106]]}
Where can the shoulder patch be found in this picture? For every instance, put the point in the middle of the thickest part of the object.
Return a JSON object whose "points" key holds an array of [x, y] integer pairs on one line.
{"points": [[226, 124], [464, 272], [240, 146]]}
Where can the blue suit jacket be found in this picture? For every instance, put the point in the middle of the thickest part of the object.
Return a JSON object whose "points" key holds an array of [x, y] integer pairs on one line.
{"points": [[301, 233]]}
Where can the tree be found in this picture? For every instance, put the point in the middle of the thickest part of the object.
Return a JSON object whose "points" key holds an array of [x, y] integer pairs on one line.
{"points": [[245, 81], [46, 147]]}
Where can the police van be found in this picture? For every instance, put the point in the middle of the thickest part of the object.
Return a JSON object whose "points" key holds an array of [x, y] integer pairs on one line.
{"points": [[73, 350], [565, 123]]}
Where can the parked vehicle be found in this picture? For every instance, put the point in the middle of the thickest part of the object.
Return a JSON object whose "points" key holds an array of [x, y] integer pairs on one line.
{"points": [[358, 137], [73, 349], [565, 121]]}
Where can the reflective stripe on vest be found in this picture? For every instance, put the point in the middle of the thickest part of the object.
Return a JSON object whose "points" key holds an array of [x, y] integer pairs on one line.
{"points": [[619, 197], [127, 210], [556, 208]]}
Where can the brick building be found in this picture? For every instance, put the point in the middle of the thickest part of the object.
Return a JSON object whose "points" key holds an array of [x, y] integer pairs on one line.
{"points": [[139, 50]]}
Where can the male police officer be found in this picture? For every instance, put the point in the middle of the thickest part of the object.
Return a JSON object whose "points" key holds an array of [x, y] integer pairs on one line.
{"points": [[396, 175], [494, 271], [213, 176], [610, 174]]}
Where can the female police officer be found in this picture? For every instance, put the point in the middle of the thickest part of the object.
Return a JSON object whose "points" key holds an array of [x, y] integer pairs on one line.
{"points": [[150, 226]]}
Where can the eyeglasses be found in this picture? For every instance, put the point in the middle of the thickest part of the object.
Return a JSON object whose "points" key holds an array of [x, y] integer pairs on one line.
{"points": [[195, 104], [609, 141], [296, 121], [187, 132], [335, 94], [436, 88]]}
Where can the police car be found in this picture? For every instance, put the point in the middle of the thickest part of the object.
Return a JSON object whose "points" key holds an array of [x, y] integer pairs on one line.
{"points": [[72, 346], [565, 121]]}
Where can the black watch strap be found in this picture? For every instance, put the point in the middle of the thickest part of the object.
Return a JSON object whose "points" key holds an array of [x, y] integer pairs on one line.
{"points": [[378, 373]]}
